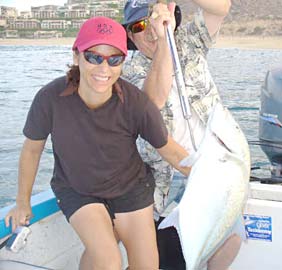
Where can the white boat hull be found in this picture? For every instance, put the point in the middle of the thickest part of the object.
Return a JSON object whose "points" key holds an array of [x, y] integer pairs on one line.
{"points": [[263, 248], [54, 245]]}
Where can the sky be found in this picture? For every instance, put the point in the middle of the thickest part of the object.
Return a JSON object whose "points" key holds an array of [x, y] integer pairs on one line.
{"points": [[24, 5]]}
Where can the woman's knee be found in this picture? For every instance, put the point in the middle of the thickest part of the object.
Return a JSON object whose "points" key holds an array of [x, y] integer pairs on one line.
{"points": [[101, 261], [137, 232]]}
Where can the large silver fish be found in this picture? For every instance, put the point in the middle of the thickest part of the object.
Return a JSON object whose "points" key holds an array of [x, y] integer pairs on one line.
{"points": [[216, 192]]}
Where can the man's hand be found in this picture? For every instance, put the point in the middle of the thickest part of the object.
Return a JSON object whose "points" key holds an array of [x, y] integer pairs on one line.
{"points": [[162, 15]]}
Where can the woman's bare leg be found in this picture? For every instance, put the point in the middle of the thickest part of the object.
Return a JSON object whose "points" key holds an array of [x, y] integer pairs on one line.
{"points": [[137, 232], [93, 225]]}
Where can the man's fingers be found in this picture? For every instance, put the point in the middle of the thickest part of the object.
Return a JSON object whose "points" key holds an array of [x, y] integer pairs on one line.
{"points": [[163, 13], [171, 7], [154, 15]]}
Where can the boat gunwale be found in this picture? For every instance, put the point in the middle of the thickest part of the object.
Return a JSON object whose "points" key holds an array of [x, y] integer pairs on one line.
{"points": [[43, 205]]}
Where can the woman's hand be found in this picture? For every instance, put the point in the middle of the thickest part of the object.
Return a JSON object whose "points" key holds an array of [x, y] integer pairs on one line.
{"points": [[19, 215], [174, 153]]}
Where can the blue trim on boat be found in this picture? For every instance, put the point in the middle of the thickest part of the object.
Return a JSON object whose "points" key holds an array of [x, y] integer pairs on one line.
{"points": [[43, 205]]}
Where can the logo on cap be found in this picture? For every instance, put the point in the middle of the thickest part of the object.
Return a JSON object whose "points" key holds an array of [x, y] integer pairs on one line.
{"points": [[139, 3], [104, 28]]}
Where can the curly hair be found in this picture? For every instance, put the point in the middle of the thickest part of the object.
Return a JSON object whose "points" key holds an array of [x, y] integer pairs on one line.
{"points": [[73, 76]]}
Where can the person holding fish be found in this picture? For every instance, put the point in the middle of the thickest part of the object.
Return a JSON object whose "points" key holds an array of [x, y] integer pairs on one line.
{"points": [[150, 67], [102, 185]]}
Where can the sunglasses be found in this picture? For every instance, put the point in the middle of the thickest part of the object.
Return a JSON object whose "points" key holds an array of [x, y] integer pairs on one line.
{"points": [[97, 58], [138, 26]]}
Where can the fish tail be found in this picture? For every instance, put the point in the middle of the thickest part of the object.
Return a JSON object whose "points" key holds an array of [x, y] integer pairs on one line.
{"points": [[172, 220]]}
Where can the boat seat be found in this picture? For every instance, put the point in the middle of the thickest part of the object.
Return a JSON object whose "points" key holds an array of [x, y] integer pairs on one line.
{"points": [[14, 265]]}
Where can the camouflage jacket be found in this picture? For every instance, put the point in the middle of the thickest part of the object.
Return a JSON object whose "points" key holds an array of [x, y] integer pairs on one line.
{"points": [[193, 42]]}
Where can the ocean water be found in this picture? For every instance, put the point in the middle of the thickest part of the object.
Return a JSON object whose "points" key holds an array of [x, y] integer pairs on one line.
{"points": [[25, 69]]}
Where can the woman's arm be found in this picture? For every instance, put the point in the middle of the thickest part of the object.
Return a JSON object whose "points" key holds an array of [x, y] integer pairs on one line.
{"points": [[28, 165], [173, 153]]}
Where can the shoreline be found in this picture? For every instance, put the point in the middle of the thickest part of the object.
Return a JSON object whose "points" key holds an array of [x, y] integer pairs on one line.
{"points": [[37, 42], [249, 42], [246, 42]]}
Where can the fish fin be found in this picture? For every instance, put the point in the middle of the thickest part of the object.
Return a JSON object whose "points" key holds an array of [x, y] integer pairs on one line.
{"points": [[171, 220]]}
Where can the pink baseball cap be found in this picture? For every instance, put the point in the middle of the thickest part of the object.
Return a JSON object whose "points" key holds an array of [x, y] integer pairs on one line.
{"points": [[101, 30]]}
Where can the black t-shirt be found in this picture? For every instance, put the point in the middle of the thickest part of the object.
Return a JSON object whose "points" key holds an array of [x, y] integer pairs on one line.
{"points": [[95, 149]]}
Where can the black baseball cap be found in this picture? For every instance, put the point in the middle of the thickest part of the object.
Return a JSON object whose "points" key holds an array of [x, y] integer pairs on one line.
{"points": [[134, 10]]}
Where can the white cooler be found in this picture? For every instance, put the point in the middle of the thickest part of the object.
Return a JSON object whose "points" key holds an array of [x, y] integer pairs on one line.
{"points": [[263, 222]]}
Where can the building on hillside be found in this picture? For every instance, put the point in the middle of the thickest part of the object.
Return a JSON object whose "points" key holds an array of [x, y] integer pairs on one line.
{"points": [[45, 12], [8, 12], [47, 34], [76, 24], [71, 2], [107, 12], [118, 3], [121, 3], [54, 24], [10, 34], [77, 11], [25, 15], [24, 24], [3, 22]]}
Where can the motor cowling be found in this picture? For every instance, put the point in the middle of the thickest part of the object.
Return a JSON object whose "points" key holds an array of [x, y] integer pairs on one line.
{"points": [[270, 122]]}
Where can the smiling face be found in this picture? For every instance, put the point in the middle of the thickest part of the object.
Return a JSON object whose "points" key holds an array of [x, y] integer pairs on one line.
{"points": [[144, 41], [96, 80]]}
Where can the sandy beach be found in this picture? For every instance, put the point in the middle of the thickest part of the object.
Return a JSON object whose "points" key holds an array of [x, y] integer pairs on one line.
{"points": [[37, 42], [248, 42]]}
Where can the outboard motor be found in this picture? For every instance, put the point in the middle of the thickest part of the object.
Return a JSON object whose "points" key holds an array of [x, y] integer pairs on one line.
{"points": [[270, 122]]}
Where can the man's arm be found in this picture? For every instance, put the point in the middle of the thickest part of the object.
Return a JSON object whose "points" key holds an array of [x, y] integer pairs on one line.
{"points": [[158, 82], [214, 13]]}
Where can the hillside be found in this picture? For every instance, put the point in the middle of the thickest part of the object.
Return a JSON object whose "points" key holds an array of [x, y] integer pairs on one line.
{"points": [[247, 17]]}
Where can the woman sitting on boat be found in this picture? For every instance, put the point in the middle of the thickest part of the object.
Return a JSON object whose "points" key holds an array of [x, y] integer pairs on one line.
{"points": [[102, 185]]}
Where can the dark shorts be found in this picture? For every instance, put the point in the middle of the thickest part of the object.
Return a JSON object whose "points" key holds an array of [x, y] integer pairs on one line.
{"points": [[139, 197]]}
